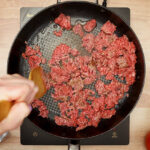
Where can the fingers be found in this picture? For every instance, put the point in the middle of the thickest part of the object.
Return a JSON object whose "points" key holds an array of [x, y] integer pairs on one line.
{"points": [[15, 118], [18, 92], [16, 87], [23, 91], [15, 79], [8, 76]]}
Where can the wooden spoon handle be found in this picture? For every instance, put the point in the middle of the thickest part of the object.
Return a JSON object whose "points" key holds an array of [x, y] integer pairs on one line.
{"points": [[5, 107], [36, 76]]}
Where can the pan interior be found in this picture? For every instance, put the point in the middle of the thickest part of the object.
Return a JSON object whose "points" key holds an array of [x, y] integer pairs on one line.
{"points": [[47, 41]]}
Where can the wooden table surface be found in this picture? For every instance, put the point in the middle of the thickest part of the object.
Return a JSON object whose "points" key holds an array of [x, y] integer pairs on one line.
{"points": [[140, 22]]}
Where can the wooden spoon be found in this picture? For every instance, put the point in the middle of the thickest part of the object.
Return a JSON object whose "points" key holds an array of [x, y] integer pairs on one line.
{"points": [[36, 76]]}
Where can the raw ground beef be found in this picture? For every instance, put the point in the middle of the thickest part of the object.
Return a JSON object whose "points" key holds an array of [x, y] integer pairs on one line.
{"points": [[74, 52], [88, 73], [41, 107], [88, 42], [76, 83], [90, 25], [59, 75], [61, 52], [108, 28], [62, 92], [102, 40], [58, 33], [69, 66], [34, 61], [33, 56], [63, 21], [77, 29], [109, 69], [48, 81]]}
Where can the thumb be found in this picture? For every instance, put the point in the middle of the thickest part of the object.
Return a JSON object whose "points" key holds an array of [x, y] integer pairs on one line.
{"points": [[15, 117]]}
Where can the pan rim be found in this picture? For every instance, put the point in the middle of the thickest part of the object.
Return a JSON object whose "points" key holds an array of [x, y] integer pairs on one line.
{"points": [[84, 2]]}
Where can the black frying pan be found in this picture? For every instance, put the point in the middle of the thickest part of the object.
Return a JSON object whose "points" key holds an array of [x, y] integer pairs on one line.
{"points": [[39, 31]]}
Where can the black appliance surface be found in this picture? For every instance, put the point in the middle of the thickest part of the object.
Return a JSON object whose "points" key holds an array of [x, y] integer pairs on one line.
{"points": [[33, 135]]}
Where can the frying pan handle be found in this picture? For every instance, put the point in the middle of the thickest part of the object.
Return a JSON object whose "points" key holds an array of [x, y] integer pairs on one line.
{"points": [[74, 145], [103, 4]]}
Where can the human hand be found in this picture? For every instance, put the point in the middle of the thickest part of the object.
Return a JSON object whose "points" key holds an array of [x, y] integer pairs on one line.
{"points": [[22, 91]]}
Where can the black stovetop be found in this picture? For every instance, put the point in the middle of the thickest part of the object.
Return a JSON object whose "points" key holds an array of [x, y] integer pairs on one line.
{"points": [[33, 135]]}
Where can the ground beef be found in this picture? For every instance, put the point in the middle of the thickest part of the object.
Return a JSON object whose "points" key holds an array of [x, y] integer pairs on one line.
{"points": [[90, 25], [108, 28], [81, 61], [61, 52], [64, 121], [99, 43], [74, 52], [77, 29], [122, 63], [102, 40], [29, 51], [111, 100], [69, 66], [59, 75], [41, 107], [62, 92], [130, 76], [33, 56], [88, 73], [79, 112], [63, 21], [58, 33], [43, 61], [108, 113], [76, 83], [108, 69], [88, 42], [34, 61], [48, 81], [100, 87], [98, 104]]}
